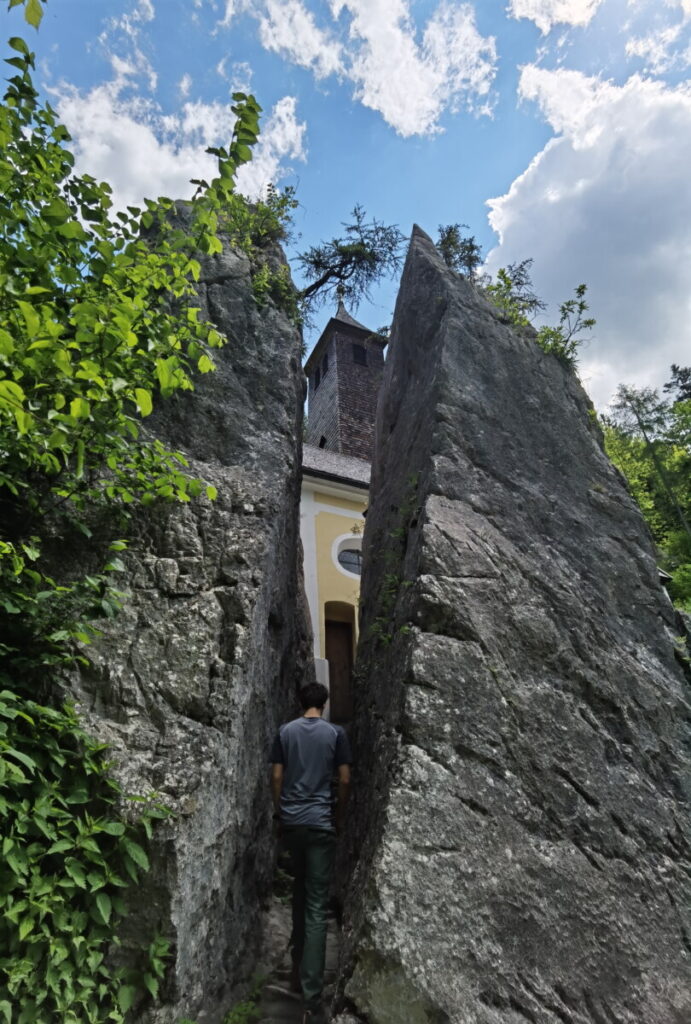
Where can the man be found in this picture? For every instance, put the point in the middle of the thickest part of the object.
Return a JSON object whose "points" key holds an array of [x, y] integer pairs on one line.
{"points": [[305, 755]]}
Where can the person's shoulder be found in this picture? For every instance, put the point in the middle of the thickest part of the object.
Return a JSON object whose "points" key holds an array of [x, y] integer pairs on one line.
{"points": [[333, 729], [294, 723]]}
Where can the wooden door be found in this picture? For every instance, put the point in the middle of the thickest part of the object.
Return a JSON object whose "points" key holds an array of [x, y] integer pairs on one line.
{"points": [[339, 654]]}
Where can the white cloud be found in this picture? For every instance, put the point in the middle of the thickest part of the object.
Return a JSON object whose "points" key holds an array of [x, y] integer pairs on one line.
{"points": [[240, 77], [145, 11], [664, 45], [126, 140], [546, 13], [684, 4], [231, 9], [290, 29], [410, 74], [184, 85], [125, 33], [411, 84], [657, 50], [608, 202], [228, 13]]}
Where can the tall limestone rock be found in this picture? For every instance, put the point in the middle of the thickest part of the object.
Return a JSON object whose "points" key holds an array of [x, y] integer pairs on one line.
{"points": [[192, 678], [519, 808]]}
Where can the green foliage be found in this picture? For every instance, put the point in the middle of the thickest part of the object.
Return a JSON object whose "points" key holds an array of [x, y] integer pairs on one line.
{"points": [[67, 861], [350, 265], [99, 319], [512, 293], [649, 440], [88, 333], [680, 384], [248, 1011], [564, 340], [460, 252], [33, 11]]}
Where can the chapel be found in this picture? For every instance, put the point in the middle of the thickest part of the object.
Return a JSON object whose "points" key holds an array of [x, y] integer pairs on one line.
{"points": [[344, 374]]}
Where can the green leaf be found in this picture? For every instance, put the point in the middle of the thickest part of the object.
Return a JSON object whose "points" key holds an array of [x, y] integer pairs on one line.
{"points": [[6, 343], [143, 401], [19, 755], [151, 984], [164, 372], [76, 872], [5, 1007], [72, 230], [19, 45], [11, 394], [33, 12], [113, 828], [31, 318], [127, 995], [80, 408], [24, 420], [60, 846], [79, 468], [211, 492], [205, 365], [242, 153], [137, 854], [104, 906]]}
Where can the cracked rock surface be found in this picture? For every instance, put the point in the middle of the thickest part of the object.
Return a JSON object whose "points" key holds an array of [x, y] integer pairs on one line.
{"points": [[192, 678], [519, 810]]}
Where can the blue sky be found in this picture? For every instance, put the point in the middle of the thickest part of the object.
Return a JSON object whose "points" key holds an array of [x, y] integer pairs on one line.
{"points": [[557, 129]]}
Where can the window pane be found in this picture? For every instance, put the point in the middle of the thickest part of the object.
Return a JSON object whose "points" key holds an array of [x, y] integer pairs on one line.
{"points": [[360, 355], [351, 559]]}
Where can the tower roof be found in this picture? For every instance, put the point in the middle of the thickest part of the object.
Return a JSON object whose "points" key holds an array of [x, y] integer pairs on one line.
{"points": [[344, 316], [340, 319]]}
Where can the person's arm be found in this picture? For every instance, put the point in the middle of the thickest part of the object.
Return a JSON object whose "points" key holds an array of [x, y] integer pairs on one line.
{"points": [[276, 785], [343, 795]]}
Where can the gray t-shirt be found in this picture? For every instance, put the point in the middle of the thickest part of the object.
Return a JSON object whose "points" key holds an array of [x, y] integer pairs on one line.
{"points": [[310, 750]]}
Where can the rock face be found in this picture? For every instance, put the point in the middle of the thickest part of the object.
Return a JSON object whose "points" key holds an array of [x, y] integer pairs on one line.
{"points": [[194, 675], [519, 808]]}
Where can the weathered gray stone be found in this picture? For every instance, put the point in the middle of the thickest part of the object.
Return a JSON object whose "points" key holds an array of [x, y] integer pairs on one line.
{"points": [[192, 678], [519, 805]]}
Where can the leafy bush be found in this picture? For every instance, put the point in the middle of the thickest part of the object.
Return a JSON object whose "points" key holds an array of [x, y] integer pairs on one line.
{"points": [[68, 859]]}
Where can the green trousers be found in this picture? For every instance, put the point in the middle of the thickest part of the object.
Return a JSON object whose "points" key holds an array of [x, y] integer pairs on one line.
{"points": [[312, 854]]}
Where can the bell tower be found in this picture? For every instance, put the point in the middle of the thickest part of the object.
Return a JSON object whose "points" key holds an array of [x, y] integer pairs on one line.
{"points": [[344, 373]]}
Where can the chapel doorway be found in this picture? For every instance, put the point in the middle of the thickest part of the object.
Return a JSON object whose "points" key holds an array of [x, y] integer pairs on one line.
{"points": [[339, 640]]}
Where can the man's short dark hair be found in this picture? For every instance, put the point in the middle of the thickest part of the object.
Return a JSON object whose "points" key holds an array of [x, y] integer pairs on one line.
{"points": [[314, 695]]}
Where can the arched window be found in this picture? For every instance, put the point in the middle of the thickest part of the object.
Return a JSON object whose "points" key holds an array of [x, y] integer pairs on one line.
{"points": [[351, 559], [347, 554]]}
